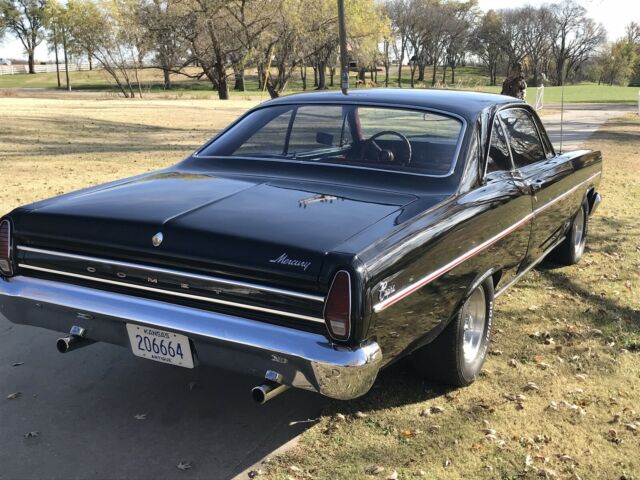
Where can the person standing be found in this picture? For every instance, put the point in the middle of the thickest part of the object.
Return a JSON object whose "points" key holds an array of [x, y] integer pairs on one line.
{"points": [[515, 84]]}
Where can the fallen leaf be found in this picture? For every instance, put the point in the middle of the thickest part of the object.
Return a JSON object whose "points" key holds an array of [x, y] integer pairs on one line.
{"points": [[542, 365], [434, 428], [447, 463], [408, 433], [489, 431], [374, 470], [392, 476], [581, 376], [497, 353], [616, 418], [421, 473], [632, 427], [140, 416], [295, 469], [14, 395], [359, 414], [565, 458], [184, 466], [531, 387], [513, 363], [254, 473], [436, 409], [552, 406], [17, 364], [33, 434], [341, 417]]}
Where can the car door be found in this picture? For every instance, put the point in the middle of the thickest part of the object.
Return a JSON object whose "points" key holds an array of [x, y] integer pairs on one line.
{"points": [[545, 175], [511, 215]]}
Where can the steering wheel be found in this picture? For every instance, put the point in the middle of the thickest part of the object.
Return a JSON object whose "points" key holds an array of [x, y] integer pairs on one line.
{"points": [[384, 155]]}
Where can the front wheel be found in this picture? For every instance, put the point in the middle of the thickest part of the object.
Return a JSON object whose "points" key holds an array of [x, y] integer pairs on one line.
{"points": [[456, 356]]}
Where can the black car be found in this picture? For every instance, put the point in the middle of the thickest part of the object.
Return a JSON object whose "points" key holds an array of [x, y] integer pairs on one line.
{"points": [[316, 240]]}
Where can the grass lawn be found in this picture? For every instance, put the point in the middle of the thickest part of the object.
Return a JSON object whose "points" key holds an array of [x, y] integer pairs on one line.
{"points": [[574, 332], [467, 78]]}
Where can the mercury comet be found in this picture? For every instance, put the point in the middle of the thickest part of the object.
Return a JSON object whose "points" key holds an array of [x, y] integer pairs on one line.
{"points": [[316, 240]]}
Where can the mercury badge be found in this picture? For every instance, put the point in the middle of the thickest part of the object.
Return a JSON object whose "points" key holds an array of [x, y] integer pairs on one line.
{"points": [[157, 239]]}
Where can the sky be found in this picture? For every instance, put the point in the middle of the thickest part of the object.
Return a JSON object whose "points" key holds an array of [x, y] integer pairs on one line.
{"points": [[614, 14]]}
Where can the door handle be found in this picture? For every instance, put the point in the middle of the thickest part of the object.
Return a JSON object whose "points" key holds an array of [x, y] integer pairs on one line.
{"points": [[536, 186]]}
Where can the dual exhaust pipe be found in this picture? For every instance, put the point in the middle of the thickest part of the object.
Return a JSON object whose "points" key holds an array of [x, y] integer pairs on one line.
{"points": [[260, 394], [73, 341]]}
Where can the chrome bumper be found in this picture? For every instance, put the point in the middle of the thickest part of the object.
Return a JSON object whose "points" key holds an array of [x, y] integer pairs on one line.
{"points": [[303, 360]]}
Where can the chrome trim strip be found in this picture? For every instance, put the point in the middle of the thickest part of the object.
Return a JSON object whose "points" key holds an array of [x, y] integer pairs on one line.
{"points": [[529, 267], [167, 271], [400, 294], [176, 294]]}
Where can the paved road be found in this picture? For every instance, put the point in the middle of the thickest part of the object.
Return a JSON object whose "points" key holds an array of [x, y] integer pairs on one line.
{"points": [[581, 121], [83, 403]]}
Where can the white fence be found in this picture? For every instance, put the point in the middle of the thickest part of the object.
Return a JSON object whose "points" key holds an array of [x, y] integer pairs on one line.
{"points": [[48, 68]]}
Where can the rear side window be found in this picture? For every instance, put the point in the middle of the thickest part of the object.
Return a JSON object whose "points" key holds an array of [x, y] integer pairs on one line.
{"points": [[498, 159], [524, 140]]}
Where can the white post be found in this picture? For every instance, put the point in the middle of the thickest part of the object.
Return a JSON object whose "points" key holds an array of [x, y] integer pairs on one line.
{"points": [[539, 98]]}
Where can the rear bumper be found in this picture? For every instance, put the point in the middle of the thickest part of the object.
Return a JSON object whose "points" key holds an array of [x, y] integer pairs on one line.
{"points": [[302, 360]]}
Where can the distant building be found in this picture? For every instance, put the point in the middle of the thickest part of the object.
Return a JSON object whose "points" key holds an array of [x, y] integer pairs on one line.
{"points": [[5, 61]]}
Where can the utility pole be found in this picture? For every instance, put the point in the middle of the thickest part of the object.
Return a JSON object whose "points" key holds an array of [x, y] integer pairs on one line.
{"points": [[344, 56]]}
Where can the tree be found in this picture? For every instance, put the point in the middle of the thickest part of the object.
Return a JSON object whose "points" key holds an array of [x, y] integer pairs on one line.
{"points": [[537, 25], [633, 36], [487, 43], [575, 38], [112, 33], [617, 61], [25, 19]]}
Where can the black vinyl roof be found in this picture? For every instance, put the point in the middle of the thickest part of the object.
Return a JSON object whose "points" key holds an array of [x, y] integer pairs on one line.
{"points": [[463, 103]]}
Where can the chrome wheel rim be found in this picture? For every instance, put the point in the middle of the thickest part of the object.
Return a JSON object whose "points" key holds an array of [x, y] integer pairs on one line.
{"points": [[578, 233], [474, 315]]}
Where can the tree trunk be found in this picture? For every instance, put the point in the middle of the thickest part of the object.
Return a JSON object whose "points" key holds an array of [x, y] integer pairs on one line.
{"points": [[400, 66], [55, 50], [444, 74], [66, 59], [166, 79], [90, 57], [362, 76], [435, 71], [322, 76], [453, 75], [303, 76], [421, 68], [332, 74], [32, 68], [315, 75], [386, 75], [238, 73]]}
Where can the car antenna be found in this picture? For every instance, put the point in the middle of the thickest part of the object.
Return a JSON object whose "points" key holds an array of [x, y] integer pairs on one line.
{"points": [[344, 55], [561, 111]]}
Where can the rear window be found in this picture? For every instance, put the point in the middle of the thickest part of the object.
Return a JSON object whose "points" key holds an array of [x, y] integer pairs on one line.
{"points": [[351, 135]]}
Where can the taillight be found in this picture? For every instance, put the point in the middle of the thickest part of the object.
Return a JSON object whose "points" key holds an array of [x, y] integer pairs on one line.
{"points": [[5, 248], [337, 308]]}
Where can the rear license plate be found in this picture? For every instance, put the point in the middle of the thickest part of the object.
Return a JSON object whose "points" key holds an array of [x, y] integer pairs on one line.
{"points": [[160, 345]]}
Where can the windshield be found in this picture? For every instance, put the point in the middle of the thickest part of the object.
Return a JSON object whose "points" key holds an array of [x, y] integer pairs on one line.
{"points": [[377, 137]]}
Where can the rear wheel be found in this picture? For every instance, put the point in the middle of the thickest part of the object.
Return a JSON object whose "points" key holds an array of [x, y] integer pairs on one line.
{"points": [[456, 356], [571, 249]]}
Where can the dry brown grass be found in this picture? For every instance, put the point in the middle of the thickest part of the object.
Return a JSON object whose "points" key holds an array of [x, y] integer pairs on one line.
{"points": [[50, 146], [574, 331]]}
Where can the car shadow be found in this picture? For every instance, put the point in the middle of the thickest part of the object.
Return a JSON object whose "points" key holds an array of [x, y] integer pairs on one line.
{"points": [[84, 406]]}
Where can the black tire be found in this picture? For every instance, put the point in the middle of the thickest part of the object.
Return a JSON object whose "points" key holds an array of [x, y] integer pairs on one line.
{"points": [[444, 359], [570, 251]]}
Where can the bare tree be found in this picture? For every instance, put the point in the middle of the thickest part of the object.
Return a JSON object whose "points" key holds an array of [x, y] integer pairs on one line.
{"points": [[575, 38], [537, 25]]}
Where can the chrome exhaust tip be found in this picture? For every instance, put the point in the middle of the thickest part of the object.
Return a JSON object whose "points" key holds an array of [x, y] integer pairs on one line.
{"points": [[74, 341], [265, 392]]}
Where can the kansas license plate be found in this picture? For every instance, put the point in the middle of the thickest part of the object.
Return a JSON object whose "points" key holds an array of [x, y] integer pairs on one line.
{"points": [[160, 345]]}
